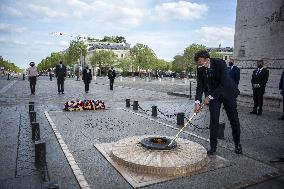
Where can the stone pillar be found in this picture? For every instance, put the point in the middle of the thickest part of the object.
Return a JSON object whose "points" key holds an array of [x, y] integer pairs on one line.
{"points": [[259, 34]]}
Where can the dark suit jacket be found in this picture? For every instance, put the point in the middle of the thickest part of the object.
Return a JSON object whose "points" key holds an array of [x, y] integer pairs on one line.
{"points": [[111, 74], [281, 83], [60, 73], [260, 78], [219, 82], [202, 83], [87, 77], [234, 74]]}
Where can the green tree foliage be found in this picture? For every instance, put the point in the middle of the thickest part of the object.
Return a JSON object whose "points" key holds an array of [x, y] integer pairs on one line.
{"points": [[114, 39], [143, 57], [103, 59], [9, 66], [74, 52], [215, 54], [188, 55], [178, 64], [124, 64], [161, 65]]}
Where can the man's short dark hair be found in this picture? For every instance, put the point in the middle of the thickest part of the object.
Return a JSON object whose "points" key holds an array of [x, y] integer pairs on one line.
{"points": [[201, 54]]}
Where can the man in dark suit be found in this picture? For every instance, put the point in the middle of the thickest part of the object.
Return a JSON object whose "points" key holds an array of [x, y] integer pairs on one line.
{"points": [[234, 72], [202, 86], [258, 80], [221, 90], [60, 73], [111, 76], [281, 88]]}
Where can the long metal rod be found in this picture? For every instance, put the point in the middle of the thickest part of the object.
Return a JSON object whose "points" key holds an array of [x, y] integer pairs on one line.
{"points": [[185, 125]]}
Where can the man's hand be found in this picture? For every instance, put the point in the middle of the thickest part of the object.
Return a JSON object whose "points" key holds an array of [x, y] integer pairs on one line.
{"points": [[197, 108], [206, 100]]}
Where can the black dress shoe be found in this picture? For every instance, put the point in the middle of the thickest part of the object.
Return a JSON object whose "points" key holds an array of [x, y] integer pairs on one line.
{"points": [[238, 149], [212, 151], [62, 92], [253, 112]]}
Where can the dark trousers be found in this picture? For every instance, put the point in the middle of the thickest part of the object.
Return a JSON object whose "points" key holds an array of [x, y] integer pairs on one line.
{"points": [[258, 99], [32, 83], [60, 85], [111, 81], [232, 113], [87, 86]]}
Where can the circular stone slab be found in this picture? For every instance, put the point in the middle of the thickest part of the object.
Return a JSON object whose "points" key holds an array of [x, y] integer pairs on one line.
{"points": [[187, 157]]}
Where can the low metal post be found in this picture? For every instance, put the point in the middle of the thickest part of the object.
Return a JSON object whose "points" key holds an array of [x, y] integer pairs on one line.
{"points": [[180, 118], [31, 107], [40, 153], [35, 131], [190, 94], [127, 103], [135, 105], [32, 116], [8, 76], [154, 111]]}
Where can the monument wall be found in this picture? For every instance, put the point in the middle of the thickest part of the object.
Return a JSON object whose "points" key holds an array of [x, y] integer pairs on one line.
{"points": [[259, 34]]}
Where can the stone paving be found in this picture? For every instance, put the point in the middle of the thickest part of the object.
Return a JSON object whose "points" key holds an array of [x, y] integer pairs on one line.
{"points": [[262, 137]]}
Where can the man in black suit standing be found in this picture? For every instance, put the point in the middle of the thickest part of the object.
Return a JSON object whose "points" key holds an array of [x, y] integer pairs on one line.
{"points": [[234, 72], [258, 80], [60, 73], [221, 90], [111, 76]]}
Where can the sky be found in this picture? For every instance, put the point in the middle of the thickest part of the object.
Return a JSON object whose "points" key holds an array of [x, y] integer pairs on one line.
{"points": [[28, 28]]}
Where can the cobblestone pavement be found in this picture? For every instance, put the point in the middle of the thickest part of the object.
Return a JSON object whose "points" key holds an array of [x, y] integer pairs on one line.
{"points": [[262, 137]]}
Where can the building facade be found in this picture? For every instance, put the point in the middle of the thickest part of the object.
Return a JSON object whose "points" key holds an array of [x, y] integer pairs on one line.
{"points": [[259, 34]]}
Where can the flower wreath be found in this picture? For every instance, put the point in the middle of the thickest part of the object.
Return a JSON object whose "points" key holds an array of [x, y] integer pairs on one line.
{"points": [[80, 105]]}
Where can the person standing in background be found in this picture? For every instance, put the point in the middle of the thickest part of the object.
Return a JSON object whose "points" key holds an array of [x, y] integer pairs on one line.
{"points": [[234, 72], [258, 81], [32, 75], [87, 77], [111, 76], [60, 73]]}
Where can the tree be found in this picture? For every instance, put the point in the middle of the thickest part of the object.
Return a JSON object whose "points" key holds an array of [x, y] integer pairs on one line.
{"points": [[103, 58], [215, 54], [178, 64], [188, 55], [124, 64], [142, 57]]}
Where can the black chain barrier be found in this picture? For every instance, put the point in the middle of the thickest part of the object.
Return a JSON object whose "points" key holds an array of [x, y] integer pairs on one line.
{"points": [[143, 109], [166, 115]]}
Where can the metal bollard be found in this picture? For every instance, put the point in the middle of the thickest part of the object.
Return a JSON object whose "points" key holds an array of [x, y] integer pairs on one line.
{"points": [[23, 76], [31, 107], [180, 118], [135, 105], [32, 116], [190, 95], [35, 131], [221, 129], [8, 76], [154, 111], [127, 103], [40, 153]]}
